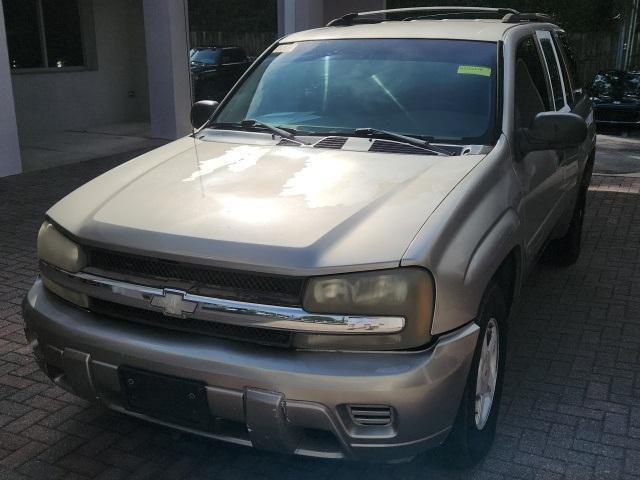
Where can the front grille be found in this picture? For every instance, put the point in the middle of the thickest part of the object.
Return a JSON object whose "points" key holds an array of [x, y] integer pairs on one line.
{"points": [[230, 284], [261, 336]]}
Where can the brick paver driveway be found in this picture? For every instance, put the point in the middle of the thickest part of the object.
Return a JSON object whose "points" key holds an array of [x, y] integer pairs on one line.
{"points": [[572, 395]]}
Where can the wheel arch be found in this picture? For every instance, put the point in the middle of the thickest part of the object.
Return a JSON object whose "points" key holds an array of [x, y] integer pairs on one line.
{"points": [[508, 275]]}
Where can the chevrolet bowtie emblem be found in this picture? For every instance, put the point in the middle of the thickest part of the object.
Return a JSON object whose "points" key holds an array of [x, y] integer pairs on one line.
{"points": [[173, 304]]}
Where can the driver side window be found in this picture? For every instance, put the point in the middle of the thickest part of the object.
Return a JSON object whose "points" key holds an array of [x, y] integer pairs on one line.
{"points": [[531, 90]]}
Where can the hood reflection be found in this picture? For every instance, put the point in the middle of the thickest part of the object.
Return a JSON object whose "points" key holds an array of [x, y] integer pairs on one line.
{"points": [[237, 159], [327, 180]]}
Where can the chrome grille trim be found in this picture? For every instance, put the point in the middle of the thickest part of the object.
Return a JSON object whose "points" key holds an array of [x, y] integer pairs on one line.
{"points": [[234, 312]]}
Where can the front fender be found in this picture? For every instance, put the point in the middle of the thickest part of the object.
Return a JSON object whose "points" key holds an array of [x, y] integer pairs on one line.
{"points": [[467, 238]]}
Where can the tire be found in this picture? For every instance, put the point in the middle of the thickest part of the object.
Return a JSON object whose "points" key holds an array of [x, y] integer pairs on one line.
{"points": [[474, 428]]}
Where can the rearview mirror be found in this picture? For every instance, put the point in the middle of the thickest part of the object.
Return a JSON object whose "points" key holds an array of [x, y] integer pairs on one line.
{"points": [[202, 111], [553, 131]]}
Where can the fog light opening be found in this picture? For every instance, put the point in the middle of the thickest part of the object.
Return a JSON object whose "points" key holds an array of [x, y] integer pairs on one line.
{"points": [[371, 415]]}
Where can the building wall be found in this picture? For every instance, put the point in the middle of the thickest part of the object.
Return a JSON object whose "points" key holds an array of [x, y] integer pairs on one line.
{"points": [[100, 96]]}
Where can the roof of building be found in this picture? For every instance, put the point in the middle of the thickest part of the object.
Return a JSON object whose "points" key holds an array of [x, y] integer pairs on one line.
{"points": [[476, 29]]}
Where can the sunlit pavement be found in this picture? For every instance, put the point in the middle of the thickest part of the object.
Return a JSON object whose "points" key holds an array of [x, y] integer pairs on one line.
{"points": [[572, 396], [618, 151]]}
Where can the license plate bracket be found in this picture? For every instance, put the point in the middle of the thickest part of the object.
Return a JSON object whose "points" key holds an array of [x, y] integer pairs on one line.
{"points": [[168, 398]]}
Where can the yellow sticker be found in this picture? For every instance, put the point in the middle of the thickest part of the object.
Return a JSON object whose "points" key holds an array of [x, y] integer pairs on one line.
{"points": [[474, 70]]}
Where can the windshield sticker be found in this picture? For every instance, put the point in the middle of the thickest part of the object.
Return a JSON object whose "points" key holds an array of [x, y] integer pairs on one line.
{"points": [[474, 70]]}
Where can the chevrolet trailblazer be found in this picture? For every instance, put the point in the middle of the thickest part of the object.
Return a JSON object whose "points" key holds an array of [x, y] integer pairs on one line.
{"points": [[327, 265]]}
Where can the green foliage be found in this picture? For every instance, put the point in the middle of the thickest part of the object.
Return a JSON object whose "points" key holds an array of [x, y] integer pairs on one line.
{"points": [[237, 16], [572, 15]]}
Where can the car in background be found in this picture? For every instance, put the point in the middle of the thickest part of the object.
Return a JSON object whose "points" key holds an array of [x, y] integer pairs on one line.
{"points": [[215, 69], [616, 97]]}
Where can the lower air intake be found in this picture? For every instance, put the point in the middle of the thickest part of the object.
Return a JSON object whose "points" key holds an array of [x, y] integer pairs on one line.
{"points": [[371, 415]]}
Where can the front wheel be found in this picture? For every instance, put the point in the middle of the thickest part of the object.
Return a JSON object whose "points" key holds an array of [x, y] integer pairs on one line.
{"points": [[475, 425]]}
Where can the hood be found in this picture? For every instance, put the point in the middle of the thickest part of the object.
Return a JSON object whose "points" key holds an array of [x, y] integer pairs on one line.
{"points": [[283, 209]]}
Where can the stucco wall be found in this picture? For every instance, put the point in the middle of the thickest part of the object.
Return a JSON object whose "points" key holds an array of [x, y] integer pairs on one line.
{"points": [[76, 100]]}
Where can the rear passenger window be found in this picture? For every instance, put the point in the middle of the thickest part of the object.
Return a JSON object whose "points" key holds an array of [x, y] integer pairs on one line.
{"points": [[566, 81], [557, 83], [531, 93], [572, 65]]}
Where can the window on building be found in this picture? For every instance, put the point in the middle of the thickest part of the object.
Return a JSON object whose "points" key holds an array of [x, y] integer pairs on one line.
{"points": [[43, 33]]}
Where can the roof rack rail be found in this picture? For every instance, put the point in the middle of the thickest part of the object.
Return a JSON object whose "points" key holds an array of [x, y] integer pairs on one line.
{"points": [[527, 17], [442, 12], [508, 15]]}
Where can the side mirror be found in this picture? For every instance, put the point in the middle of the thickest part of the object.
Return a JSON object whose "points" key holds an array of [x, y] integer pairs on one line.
{"points": [[553, 131], [202, 111]]}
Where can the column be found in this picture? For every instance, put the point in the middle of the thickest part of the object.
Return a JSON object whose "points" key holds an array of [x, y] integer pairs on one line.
{"points": [[10, 163], [166, 30]]}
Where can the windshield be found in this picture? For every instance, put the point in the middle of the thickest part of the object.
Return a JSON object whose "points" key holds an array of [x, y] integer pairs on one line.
{"points": [[210, 56], [617, 84], [444, 89]]}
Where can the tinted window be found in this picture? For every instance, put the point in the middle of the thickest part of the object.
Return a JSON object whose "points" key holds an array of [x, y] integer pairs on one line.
{"points": [[43, 33], [554, 72], [437, 88], [572, 66], [62, 32], [531, 93], [233, 55], [566, 81], [528, 54], [209, 56], [23, 33]]}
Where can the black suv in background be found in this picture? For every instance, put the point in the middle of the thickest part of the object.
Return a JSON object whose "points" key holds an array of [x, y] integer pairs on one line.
{"points": [[616, 97], [214, 70]]}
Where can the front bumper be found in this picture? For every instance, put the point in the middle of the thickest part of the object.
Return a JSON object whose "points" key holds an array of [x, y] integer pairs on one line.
{"points": [[278, 399]]}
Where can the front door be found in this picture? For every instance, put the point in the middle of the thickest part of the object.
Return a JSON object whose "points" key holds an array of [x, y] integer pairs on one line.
{"points": [[540, 172]]}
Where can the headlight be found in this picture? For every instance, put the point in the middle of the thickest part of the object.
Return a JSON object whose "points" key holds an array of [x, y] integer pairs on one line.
{"points": [[57, 250], [406, 292]]}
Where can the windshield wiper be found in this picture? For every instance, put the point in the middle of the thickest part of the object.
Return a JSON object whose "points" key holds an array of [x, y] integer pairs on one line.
{"points": [[251, 123], [416, 142]]}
